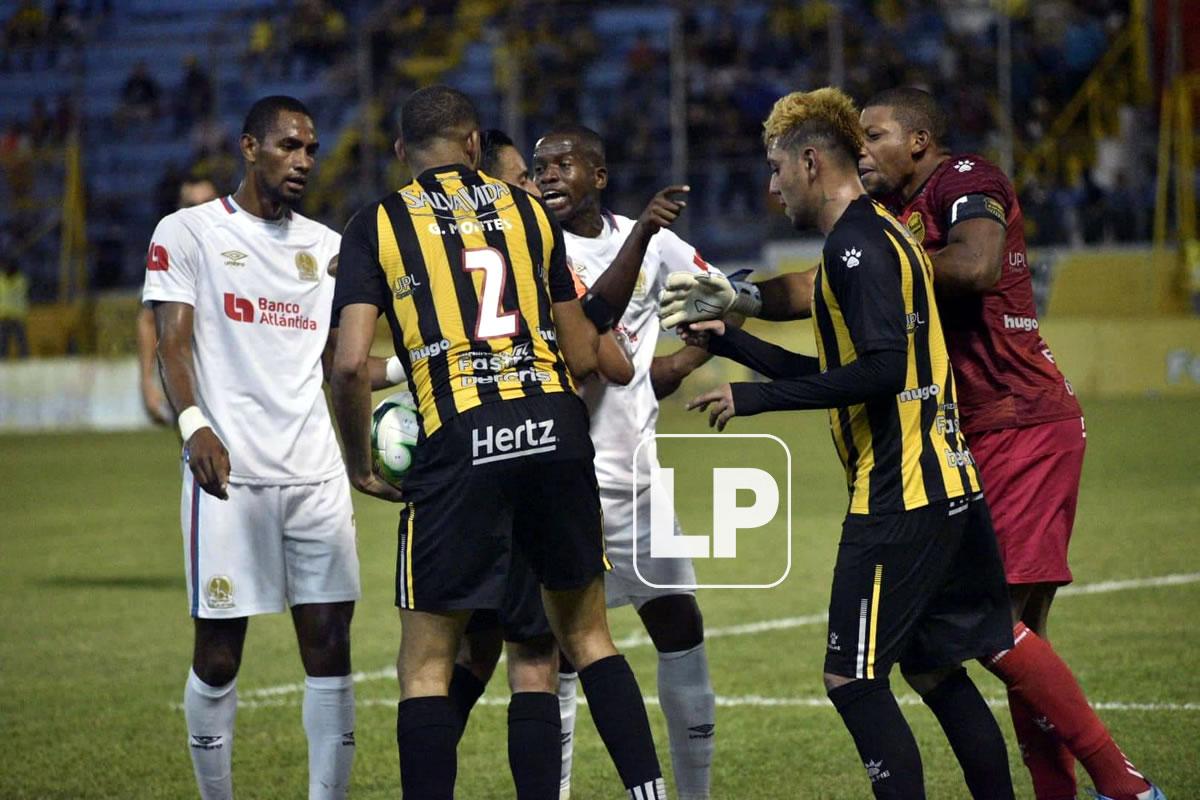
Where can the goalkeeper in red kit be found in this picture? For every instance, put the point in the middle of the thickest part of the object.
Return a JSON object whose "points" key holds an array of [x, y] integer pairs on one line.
{"points": [[1019, 414]]}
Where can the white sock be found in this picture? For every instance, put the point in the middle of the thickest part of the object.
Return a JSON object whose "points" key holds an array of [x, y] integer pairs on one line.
{"points": [[329, 723], [689, 704], [209, 711], [567, 702]]}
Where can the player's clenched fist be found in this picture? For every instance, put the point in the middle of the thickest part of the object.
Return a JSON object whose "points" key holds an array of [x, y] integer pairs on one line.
{"points": [[721, 402], [662, 211], [209, 461]]}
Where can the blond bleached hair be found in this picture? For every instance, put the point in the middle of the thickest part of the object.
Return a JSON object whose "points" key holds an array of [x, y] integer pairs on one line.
{"points": [[827, 115]]}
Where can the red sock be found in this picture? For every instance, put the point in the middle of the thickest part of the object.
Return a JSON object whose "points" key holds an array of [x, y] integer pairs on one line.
{"points": [[1050, 763], [1033, 671]]}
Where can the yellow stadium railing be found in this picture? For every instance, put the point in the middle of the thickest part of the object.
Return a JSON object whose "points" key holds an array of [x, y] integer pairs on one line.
{"points": [[1117, 80], [1177, 164]]}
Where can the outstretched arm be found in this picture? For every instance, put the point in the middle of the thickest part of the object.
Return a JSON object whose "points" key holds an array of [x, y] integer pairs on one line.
{"points": [[788, 296], [881, 372], [384, 373], [748, 350], [606, 301]]}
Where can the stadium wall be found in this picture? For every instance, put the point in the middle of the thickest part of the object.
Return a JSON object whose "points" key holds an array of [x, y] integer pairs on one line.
{"points": [[1110, 325]]}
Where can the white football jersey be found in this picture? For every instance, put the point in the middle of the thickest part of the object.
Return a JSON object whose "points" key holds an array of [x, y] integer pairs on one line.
{"points": [[622, 416], [263, 297]]}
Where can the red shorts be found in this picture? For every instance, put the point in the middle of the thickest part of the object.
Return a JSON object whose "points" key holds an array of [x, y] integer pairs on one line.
{"points": [[1031, 481]]}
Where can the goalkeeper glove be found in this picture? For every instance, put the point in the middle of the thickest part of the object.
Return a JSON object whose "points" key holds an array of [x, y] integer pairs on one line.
{"points": [[693, 297]]}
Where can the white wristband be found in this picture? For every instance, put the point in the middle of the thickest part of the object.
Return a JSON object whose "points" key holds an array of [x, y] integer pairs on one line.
{"points": [[395, 371], [192, 419]]}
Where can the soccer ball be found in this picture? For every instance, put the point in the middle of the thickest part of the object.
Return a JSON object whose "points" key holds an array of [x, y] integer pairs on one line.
{"points": [[395, 427]]}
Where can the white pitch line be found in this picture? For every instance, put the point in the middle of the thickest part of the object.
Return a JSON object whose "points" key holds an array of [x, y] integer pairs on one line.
{"points": [[1134, 583], [640, 639], [744, 701]]}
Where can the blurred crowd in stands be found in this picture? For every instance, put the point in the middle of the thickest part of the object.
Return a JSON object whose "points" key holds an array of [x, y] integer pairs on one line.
{"points": [[568, 64]]}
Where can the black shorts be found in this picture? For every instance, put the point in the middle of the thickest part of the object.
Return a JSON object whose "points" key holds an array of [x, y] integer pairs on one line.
{"points": [[521, 617], [504, 475], [924, 588]]}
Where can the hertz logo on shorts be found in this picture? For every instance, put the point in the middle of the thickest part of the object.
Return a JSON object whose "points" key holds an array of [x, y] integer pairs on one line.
{"points": [[499, 443]]}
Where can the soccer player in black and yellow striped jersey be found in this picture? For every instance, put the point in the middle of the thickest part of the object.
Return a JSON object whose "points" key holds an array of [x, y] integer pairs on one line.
{"points": [[471, 274], [918, 579]]}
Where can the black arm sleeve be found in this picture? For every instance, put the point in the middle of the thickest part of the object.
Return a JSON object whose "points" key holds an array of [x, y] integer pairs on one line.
{"points": [[360, 277], [863, 271], [763, 357], [881, 372]]}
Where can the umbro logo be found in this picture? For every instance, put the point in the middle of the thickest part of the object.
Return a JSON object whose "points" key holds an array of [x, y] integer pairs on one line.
{"points": [[207, 742], [964, 165], [566, 737], [701, 731], [851, 257], [235, 258], [348, 739]]}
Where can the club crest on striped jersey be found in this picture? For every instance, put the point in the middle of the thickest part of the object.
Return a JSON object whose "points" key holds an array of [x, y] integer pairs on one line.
{"points": [[916, 226]]}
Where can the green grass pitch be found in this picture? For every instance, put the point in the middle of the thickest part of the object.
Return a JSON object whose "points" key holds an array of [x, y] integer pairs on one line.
{"points": [[96, 640]]}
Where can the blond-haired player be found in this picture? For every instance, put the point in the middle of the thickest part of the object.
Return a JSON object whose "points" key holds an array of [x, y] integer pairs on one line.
{"points": [[918, 579]]}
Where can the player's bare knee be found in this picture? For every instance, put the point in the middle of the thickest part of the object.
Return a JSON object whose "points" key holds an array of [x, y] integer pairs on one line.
{"points": [[216, 666], [480, 652], [674, 622], [585, 648], [217, 649], [533, 665]]}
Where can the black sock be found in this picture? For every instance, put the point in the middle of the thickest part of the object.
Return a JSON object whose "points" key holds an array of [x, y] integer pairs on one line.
{"points": [[534, 744], [565, 667], [465, 691], [616, 706], [427, 731], [884, 741], [974, 736]]}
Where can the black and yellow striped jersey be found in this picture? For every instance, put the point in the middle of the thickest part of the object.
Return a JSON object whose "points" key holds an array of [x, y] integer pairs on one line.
{"points": [[874, 291], [466, 268]]}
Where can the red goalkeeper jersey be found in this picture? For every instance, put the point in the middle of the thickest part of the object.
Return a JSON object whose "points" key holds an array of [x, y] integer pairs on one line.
{"points": [[1004, 370]]}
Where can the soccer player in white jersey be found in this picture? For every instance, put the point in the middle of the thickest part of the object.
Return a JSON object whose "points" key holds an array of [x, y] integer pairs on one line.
{"points": [[569, 169], [241, 289]]}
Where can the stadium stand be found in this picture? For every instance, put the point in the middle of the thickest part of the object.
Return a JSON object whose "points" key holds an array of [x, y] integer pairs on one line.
{"points": [[535, 63]]}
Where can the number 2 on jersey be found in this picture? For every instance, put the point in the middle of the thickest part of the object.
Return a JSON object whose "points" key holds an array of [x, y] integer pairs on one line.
{"points": [[493, 322]]}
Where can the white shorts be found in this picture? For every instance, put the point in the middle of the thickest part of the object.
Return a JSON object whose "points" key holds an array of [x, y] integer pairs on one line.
{"points": [[622, 586], [267, 548]]}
